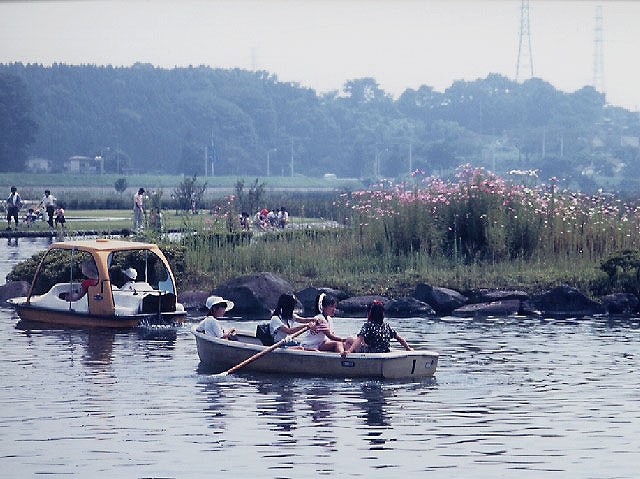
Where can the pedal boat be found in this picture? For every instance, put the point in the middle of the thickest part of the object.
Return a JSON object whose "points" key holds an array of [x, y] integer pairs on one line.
{"points": [[105, 305]]}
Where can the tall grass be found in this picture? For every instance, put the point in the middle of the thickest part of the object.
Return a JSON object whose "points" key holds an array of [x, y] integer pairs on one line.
{"points": [[475, 231]]}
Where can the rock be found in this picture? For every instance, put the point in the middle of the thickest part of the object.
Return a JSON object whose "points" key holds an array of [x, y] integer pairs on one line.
{"points": [[13, 289], [442, 300], [193, 300], [566, 301], [485, 295], [620, 303], [307, 298], [358, 305], [408, 307], [255, 294], [508, 307]]}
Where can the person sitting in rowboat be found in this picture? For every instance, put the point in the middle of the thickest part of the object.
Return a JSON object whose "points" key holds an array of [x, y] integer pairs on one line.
{"points": [[280, 325], [90, 271], [217, 306], [320, 336], [375, 335]]}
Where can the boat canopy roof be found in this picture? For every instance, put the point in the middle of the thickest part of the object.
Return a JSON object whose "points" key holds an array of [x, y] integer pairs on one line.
{"points": [[103, 244]]}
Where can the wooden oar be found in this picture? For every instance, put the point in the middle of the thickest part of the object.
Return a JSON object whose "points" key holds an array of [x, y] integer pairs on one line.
{"points": [[263, 352]]}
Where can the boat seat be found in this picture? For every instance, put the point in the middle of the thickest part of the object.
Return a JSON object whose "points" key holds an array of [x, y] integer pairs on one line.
{"points": [[52, 300], [127, 302]]}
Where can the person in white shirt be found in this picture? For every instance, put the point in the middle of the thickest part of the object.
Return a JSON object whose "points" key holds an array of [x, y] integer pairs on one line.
{"points": [[138, 210], [217, 306], [49, 203]]}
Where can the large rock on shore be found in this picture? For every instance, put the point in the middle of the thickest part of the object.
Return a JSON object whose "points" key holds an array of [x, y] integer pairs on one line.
{"points": [[255, 294], [507, 307], [193, 300], [13, 289], [566, 301], [442, 300], [357, 306], [487, 295], [620, 303]]}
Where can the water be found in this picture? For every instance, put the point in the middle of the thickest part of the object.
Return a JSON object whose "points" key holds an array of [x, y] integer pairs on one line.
{"points": [[511, 398]]}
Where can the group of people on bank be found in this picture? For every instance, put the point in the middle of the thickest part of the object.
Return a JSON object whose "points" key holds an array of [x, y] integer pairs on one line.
{"points": [[265, 219], [54, 210], [374, 336]]}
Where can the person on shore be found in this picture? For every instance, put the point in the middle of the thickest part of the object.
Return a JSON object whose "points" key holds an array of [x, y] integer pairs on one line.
{"points": [[14, 203], [283, 217], [59, 219], [30, 218], [320, 336], [217, 307], [49, 203], [138, 211], [90, 271], [375, 335], [281, 321]]}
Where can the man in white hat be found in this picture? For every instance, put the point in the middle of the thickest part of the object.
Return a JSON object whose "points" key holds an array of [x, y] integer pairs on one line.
{"points": [[131, 274], [217, 306]]}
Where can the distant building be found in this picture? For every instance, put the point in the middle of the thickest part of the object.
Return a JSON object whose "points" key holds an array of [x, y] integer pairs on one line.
{"points": [[631, 141], [38, 165], [83, 165]]}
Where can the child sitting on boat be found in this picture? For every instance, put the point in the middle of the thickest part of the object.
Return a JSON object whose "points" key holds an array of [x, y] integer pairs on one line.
{"points": [[375, 335], [282, 319], [320, 336], [217, 306], [90, 271]]}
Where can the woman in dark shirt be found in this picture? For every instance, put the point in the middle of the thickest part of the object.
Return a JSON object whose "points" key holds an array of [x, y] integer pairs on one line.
{"points": [[375, 335]]}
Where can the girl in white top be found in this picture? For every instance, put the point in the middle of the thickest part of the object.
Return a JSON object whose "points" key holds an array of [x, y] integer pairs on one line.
{"points": [[282, 319], [320, 336]]}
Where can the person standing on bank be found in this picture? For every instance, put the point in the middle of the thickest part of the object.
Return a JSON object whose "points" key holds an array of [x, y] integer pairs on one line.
{"points": [[14, 202], [49, 203], [138, 211]]}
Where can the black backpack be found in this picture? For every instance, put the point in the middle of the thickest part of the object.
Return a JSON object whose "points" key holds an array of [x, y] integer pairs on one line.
{"points": [[263, 333]]}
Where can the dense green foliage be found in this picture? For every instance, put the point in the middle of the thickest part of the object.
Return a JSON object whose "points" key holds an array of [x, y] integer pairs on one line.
{"points": [[17, 127], [147, 119]]}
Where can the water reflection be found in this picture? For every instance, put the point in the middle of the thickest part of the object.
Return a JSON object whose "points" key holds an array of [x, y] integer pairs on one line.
{"points": [[374, 404]]}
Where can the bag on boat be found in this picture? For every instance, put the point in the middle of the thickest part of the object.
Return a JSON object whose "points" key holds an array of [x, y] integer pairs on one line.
{"points": [[263, 333]]}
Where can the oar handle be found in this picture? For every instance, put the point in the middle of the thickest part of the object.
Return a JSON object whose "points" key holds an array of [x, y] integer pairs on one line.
{"points": [[264, 351]]}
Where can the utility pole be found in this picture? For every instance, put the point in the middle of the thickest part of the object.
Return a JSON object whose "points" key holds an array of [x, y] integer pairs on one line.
{"points": [[525, 57], [291, 157]]}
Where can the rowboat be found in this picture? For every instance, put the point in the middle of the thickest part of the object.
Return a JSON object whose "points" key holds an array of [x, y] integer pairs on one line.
{"points": [[107, 302], [221, 354]]}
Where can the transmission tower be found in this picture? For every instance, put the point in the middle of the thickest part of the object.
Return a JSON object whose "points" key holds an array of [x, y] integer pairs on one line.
{"points": [[525, 58], [598, 53]]}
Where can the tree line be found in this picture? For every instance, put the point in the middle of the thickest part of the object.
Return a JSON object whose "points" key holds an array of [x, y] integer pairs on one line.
{"points": [[209, 121]]}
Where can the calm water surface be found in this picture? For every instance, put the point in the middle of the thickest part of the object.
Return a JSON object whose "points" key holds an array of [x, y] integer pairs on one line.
{"points": [[511, 398]]}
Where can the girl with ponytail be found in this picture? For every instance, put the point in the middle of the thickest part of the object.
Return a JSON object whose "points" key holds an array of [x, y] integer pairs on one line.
{"points": [[320, 336]]}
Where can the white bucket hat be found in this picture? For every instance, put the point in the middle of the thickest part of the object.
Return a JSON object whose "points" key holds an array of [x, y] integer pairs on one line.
{"points": [[130, 273], [213, 300]]}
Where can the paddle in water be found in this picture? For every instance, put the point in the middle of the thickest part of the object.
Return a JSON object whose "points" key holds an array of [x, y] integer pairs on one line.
{"points": [[262, 353]]}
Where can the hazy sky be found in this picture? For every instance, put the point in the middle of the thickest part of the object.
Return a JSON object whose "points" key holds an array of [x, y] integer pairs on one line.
{"points": [[323, 43]]}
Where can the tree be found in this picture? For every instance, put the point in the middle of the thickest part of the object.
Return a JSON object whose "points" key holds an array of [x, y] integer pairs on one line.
{"points": [[17, 128], [120, 185], [188, 192]]}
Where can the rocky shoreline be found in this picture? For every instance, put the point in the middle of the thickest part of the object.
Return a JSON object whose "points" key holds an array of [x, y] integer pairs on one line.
{"points": [[256, 295]]}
